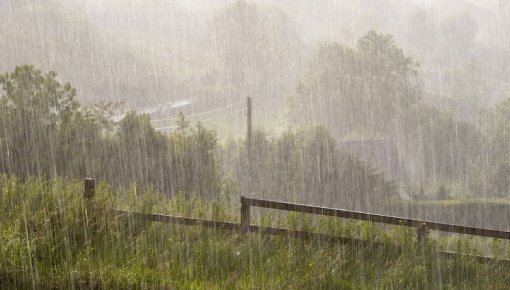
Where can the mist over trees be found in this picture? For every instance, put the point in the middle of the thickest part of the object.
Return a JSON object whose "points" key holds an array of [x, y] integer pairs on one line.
{"points": [[341, 82], [169, 51], [240, 144], [431, 77], [260, 52], [45, 132]]}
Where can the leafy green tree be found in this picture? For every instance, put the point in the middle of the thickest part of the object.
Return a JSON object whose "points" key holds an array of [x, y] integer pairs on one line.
{"points": [[469, 87], [194, 168], [442, 146], [45, 132], [372, 90], [306, 166], [495, 123], [33, 105], [29, 91], [366, 88], [140, 152]]}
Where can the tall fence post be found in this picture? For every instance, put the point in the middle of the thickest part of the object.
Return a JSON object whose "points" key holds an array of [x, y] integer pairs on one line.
{"points": [[245, 215], [90, 188]]}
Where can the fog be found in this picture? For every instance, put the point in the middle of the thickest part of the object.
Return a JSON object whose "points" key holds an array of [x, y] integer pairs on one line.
{"points": [[398, 108], [202, 58], [148, 52]]}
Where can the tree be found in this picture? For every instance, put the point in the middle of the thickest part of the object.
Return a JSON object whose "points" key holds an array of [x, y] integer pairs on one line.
{"points": [[33, 106], [441, 146], [45, 132], [469, 88], [140, 153], [366, 88], [306, 166], [194, 168], [28, 91], [372, 91], [496, 160]]}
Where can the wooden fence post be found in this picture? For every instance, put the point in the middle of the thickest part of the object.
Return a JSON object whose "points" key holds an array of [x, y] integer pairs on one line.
{"points": [[90, 188], [421, 234], [245, 215]]}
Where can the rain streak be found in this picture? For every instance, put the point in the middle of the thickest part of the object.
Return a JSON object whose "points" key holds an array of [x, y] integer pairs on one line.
{"points": [[242, 144]]}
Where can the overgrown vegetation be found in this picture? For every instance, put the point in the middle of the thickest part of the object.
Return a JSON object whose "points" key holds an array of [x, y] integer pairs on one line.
{"points": [[373, 91], [45, 132], [307, 166], [50, 237]]}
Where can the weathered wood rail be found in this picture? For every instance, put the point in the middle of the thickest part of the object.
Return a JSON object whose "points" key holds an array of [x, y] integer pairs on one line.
{"points": [[251, 228], [422, 227]]}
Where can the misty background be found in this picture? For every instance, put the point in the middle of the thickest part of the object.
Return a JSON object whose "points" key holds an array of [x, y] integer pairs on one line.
{"points": [[412, 96], [145, 53]]}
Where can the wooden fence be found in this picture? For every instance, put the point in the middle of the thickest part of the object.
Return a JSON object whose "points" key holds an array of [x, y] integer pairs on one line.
{"points": [[422, 227]]}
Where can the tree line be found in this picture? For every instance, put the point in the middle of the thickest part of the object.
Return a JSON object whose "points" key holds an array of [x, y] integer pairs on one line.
{"points": [[46, 132], [369, 91]]}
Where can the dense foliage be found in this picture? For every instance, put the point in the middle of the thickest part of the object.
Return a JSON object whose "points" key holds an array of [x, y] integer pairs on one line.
{"points": [[307, 166], [495, 124], [45, 132], [366, 88], [372, 92]]}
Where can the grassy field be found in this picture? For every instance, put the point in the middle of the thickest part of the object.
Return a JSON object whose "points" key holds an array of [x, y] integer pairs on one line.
{"points": [[51, 238]]}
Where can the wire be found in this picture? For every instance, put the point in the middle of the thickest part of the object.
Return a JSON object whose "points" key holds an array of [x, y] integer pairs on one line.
{"points": [[221, 116], [440, 93], [201, 114], [208, 120], [171, 127]]}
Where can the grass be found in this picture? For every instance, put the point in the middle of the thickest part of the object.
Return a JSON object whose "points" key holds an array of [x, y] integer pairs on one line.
{"points": [[51, 238]]}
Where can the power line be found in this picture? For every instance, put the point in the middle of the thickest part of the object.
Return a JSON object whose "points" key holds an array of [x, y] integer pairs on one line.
{"points": [[221, 116], [208, 120], [201, 114], [171, 127]]}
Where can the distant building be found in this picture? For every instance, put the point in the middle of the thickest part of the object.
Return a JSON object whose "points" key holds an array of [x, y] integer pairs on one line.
{"points": [[383, 154], [164, 116]]}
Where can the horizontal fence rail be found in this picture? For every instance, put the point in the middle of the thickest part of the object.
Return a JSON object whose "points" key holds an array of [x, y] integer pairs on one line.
{"points": [[178, 220], [252, 228], [285, 232], [385, 219]]}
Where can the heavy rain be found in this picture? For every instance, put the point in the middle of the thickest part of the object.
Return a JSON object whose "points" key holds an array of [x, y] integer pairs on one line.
{"points": [[242, 144]]}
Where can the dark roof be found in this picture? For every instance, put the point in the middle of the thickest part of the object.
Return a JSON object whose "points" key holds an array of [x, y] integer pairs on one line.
{"points": [[381, 153]]}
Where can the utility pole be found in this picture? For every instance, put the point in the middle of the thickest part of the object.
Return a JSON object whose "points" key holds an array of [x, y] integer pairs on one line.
{"points": [[248, 129], [249, 152]]}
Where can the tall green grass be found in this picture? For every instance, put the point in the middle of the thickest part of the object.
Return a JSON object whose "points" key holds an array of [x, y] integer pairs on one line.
{"points": [[51, 238]]}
